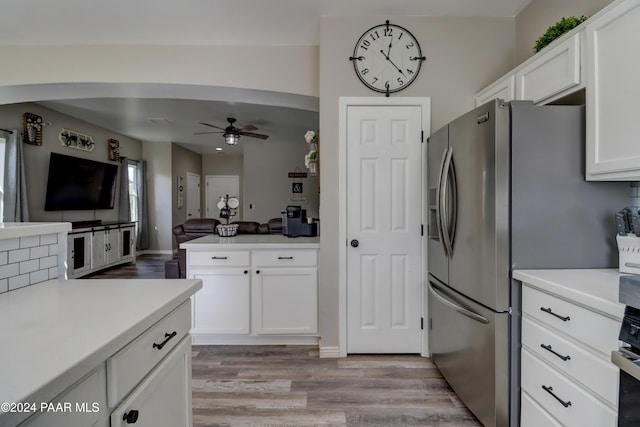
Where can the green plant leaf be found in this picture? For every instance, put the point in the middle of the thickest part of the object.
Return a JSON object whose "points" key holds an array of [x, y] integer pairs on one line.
{"points": [[556, 30]]}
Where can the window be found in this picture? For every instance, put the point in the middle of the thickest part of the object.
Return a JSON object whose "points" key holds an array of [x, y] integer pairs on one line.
{"points": [[132, 173]]}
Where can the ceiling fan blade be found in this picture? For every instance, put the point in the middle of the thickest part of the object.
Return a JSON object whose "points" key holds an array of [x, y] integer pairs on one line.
{"points": [[206, 133], [254, 135], [213, 126], [248, 128]]}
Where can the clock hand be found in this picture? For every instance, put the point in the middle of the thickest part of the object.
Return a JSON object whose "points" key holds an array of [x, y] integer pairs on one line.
{"points": [[392, 63], [389, 50]]}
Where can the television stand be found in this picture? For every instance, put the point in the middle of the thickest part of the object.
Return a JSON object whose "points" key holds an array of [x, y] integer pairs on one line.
{"points": [[89, 223]]}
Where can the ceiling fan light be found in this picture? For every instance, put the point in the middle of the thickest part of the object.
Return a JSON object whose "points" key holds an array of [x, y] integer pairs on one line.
{"points": [[231, 138]]}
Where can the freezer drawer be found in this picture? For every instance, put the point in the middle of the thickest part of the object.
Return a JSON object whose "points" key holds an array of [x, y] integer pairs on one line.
{"points": [[470, 346]]}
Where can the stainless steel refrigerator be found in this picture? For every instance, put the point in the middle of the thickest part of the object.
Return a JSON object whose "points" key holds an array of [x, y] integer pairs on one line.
{"points": [[506, 191]]}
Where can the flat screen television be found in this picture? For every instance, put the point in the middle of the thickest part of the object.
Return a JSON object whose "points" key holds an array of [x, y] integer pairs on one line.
{"points": [[80, 184]]}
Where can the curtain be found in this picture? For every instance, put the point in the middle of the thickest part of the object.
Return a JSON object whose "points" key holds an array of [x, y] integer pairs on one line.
{"points": [[143, 211], [124, 209], [15, 184]]}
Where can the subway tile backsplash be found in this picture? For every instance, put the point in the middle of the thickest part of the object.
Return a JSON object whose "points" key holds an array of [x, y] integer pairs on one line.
{"points": [[28, 260]]}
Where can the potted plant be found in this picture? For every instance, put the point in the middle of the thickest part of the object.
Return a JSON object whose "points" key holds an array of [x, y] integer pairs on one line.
{"points": [[311, 158], [556, 30]]}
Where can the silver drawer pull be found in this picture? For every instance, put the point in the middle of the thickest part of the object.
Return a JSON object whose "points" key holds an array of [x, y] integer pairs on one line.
{"points": [[285, 257], [548, 310], [549, 390], [218, 257], [548, 348]]}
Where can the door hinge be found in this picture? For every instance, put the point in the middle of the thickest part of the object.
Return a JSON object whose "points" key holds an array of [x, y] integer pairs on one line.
{"points": [[422, 323]]}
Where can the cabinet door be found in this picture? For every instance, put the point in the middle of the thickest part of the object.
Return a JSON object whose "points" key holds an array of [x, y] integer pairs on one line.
{"points": [[613, 67], [112, 245], [79, 253], [222, 305], [98, 249], [552, 72], [504, 89], [127, 244], [164, 397], [285, 301]]}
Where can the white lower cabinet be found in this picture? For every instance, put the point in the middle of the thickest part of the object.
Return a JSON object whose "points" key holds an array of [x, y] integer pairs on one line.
{"points": [[285, 300], [164, 397], [222, 306], [567, 377], [261, 295]]}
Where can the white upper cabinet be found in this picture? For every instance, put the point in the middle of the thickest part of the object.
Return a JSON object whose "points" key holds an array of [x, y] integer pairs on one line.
{"points": [[613, 93], [552, 72], [505, 89]]}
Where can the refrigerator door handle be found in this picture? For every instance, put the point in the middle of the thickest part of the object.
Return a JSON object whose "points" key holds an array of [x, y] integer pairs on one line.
{"points": [[448, 224], [439, 209], [470, 314]]}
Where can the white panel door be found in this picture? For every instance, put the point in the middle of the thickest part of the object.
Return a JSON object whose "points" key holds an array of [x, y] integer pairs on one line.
{"points": [[219, 186], [193, 195], [384, 257]]}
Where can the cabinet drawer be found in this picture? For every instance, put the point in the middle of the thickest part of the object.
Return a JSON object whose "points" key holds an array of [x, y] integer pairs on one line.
{"points": [[579, 322], [583, 409], [218, 258], [285, 258], [553, 72], [533, 415], [599, 375], [127, 367]]}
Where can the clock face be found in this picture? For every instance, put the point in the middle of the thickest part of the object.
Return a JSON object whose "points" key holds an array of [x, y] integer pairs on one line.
{"points": [[387, 58]]}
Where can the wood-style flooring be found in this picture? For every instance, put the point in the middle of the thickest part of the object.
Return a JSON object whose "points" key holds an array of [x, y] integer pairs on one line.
{"points": [[292, 386]]}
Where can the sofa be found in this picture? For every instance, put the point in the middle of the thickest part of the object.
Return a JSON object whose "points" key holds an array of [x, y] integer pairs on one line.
{"points": [[198, 227]]}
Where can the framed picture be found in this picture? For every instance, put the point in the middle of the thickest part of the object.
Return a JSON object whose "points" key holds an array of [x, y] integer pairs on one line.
{"points": [[113, 149], [296, 188]]}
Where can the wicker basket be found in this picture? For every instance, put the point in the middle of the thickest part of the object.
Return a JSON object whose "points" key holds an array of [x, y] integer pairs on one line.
{"points": [[227, 230]]}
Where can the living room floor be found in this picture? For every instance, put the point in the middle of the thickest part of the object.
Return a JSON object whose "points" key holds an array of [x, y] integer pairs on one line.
{"points": [[292, 386]]}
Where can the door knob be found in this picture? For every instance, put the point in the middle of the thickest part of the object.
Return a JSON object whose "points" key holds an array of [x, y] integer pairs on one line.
{"points": [[355, 243]]}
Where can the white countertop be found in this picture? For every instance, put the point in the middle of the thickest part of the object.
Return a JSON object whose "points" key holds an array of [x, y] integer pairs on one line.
{"points": [[596, 289], [252, 241], [10, 230], [56, 332]]}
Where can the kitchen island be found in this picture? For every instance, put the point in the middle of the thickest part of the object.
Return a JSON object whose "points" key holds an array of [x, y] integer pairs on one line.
{"points": [[256, 289], [80, 351]]}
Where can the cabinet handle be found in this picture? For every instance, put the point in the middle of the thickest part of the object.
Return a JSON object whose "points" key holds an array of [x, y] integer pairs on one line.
{"points": [[548, 310], [218, 257], [168, 336], [549, 390], [246, 272], [131, 417], [285, 257], [548, 348], [257, 271]]}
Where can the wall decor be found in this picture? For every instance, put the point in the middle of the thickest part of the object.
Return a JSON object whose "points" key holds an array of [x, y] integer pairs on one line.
{"points": [[74, 139], [180, 192], [32, 129], [113, 149]]}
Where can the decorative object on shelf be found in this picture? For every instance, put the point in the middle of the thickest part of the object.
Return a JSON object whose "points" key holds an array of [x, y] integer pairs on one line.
{"points": [[387, 58], [556, 30], [32, 129], [311, 158], [228, 206], [75, 139], [113, 149]]}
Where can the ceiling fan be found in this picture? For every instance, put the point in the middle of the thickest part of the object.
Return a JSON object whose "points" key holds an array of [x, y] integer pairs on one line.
{"points": [[232, 134]]}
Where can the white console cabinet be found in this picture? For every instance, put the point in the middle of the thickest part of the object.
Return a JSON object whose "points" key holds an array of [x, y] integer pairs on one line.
{"points": [[255, 289], [91, 249]]}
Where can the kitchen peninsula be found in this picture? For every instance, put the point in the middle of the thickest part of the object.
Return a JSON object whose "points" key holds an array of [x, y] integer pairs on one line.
{"points": [[256, 289]]}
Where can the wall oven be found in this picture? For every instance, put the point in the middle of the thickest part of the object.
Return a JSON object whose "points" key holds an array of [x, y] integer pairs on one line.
{"points": [[627, 357]]}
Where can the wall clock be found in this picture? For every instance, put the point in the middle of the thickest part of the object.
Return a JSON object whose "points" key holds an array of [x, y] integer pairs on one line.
{"points": [[387, 58]]}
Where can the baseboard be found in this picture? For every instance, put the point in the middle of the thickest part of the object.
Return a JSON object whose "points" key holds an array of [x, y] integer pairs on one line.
{"points": [[330, 352], [154, 252], [200, 339]]}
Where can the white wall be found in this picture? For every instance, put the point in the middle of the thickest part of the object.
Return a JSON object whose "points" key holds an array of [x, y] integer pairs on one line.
{"points": [[463, 56], [158, 157]]}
